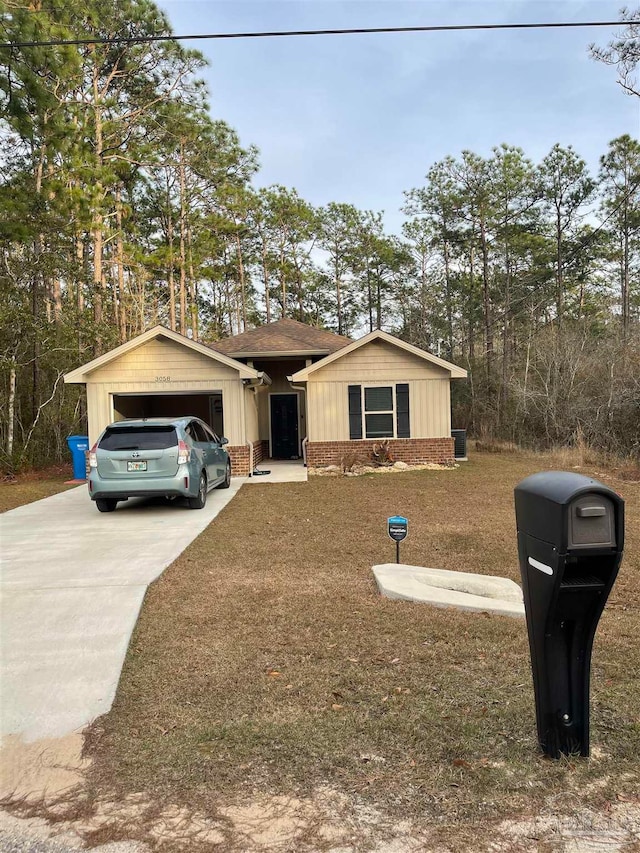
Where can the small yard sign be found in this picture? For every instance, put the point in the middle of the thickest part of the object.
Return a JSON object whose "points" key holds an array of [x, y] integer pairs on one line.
{"points": [[397, 527]]}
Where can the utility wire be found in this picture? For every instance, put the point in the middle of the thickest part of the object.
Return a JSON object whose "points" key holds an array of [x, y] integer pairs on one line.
{"points": [[329, 32]]}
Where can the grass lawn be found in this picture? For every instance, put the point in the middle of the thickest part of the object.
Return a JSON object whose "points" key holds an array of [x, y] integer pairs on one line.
{"points": [[264, 660], [32, 486]]}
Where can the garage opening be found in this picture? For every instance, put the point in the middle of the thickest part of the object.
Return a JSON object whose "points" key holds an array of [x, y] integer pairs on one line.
{"points": [[207, 407]]}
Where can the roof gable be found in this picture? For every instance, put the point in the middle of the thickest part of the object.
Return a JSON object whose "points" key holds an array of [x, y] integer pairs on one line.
{"points": [[285, 336], [79, 375], [454, 371]]}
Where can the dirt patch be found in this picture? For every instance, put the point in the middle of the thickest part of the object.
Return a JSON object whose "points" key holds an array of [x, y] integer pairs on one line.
{"points": [[329, 821], [41, 769], [615, 830]]}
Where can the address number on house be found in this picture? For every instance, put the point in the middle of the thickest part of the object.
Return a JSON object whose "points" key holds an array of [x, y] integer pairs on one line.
{"points": [[163, 379]]}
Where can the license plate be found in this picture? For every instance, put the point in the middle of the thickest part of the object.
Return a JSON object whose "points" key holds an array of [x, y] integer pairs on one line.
{"points": [[136, 466]]}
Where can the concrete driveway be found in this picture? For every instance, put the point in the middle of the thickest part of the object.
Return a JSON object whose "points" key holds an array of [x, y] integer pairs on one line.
{"points": [[71, 587]]}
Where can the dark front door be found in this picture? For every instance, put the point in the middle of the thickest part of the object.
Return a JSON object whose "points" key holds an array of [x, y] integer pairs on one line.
{"points": [[284, 426]]}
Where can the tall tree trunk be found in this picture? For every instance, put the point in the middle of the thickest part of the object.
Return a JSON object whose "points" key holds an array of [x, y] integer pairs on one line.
{"points": [[338, 297], [193, 293], [227, 291], [80, 285], [98, 278], [283, 284], [170, 271], [56, 295], [183, 262], [11, 403], [624, 279], [447, 286], [486, 296], [55, 299], [37, 285], [120, 304], [472, 284], [241, 277], [97, 218], [369, 297], [559, 273], [506, 338], [265, 276]]}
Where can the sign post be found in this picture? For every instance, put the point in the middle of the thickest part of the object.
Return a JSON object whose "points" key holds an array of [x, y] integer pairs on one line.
{"points": [[397, 527]]}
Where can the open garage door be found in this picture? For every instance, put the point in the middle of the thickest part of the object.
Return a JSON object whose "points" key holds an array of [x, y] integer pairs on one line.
{"points": [[207, 407]]}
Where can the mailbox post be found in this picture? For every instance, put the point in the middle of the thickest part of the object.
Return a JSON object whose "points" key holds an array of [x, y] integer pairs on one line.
{"points": [[570, 544]]}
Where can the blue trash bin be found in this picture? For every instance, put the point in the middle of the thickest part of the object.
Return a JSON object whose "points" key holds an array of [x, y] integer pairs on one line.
{"points": [[78, 445]]}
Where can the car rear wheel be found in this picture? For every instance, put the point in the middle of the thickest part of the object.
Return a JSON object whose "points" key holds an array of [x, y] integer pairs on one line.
{"points": [[227, 478], [201, 498], [106, 504]]}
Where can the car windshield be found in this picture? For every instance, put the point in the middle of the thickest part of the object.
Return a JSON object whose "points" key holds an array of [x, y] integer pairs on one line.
{"points": [[139, 438]]}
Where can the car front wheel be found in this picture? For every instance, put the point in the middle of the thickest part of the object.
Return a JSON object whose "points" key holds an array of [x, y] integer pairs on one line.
{"points": [[201, 498], [106, 504], [227, 478]]}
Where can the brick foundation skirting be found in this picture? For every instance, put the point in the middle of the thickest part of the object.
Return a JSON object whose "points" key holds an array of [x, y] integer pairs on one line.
{"points": [[240, 460], [413, 451]]}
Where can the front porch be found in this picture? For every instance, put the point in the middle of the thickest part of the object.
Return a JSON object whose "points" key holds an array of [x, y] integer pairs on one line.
{"points": [[280, 471]]}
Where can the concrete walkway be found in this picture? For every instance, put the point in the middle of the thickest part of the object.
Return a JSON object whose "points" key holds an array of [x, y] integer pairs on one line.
{"points": [[71, 587], [280, 471]]}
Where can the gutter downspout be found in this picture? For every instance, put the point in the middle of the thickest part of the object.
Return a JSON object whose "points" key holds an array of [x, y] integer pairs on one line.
{"points": [[262, 379], [305, 440]]}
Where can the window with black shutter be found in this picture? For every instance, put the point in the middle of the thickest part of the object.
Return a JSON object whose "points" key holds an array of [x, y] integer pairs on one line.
{"points": [[355, 412], [402, 411], [384, 408]]}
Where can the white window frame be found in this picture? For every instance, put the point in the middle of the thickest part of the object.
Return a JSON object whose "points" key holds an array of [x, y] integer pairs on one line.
{"points": [[391, 411]]}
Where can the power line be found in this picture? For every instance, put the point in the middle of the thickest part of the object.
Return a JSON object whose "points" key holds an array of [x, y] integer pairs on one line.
{"points": [[328, 32]]}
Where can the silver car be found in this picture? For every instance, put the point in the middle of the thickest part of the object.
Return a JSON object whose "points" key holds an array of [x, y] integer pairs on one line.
{"points": [[157, 457]]}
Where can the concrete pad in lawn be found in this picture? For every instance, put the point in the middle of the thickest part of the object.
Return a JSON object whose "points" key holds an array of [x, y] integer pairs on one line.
{"points": [[71, 587], [444, 588]]}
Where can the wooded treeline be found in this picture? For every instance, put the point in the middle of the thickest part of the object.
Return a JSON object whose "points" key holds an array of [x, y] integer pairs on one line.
{"points": [[125, 204]]}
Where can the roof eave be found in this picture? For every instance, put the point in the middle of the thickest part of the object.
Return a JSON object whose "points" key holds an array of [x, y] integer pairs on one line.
{"points": [[80, 374], [279, 353]]}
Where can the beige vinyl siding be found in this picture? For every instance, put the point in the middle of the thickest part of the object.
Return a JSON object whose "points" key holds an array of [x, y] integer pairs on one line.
{"points": [[430, 408], [251, 414], [379, 362], [328, 406], [161, 358], [164, 367]]}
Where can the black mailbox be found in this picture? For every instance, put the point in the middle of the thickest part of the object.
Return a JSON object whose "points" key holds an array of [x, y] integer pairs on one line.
{"points": [[570, 543]]}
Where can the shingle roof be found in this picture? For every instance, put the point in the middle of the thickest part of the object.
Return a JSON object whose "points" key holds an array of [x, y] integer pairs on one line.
{"points": [[282, 336]]}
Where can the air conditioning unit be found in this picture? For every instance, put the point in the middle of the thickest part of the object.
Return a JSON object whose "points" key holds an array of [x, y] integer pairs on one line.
{"points": [[459, 437]]}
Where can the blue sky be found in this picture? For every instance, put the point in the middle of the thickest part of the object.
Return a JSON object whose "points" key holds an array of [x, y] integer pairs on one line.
{"points": [[361, 118]]}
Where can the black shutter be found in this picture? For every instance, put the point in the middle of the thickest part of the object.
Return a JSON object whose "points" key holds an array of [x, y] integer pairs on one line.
{"points": [[355, 412], [402, 411]]}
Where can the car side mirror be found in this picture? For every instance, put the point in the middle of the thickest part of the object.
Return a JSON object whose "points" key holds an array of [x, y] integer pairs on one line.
{"points": [[223, 441]]}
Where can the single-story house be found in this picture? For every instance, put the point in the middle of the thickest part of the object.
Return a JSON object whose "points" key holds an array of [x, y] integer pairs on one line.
{"points": [[285, 390]]}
